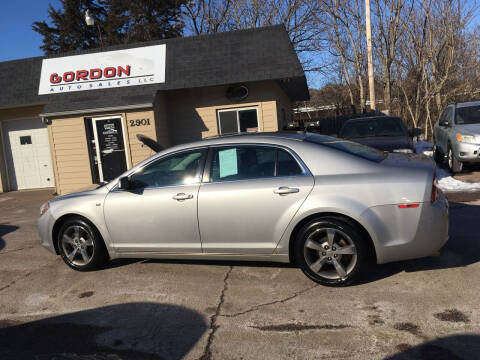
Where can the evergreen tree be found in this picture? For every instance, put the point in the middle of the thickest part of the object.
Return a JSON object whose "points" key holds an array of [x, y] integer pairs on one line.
{"points": [[119, 21], [130, 21], [67, 30]]}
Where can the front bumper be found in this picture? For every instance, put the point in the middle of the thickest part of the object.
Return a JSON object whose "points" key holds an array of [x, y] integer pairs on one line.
{"points": [[466, 152], [45, 230], [403, 234]]}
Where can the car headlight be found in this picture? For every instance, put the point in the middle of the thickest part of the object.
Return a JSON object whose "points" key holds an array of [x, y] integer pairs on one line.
{"points": [[465, 138], [44, 208], [406, 151]]}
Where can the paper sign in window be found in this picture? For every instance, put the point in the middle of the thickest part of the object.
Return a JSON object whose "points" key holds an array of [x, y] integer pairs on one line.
{"points": [[228, 162]]}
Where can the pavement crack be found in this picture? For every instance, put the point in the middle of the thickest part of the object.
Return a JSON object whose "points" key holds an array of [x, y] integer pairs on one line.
{"points": [[18, 249], [281, 301], [300, 327], [15, 281], [207, 353]]}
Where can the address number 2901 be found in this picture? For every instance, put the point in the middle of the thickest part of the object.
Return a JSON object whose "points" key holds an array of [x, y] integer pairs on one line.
{"points": [[140, 122]]}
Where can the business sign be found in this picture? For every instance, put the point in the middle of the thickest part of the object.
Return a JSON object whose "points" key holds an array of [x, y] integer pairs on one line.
{"points": [[103, 70]]}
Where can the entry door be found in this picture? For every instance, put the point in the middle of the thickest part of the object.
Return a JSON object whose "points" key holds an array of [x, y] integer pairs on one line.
{"points": [[28, 154], [253, 194], [110, 145]]}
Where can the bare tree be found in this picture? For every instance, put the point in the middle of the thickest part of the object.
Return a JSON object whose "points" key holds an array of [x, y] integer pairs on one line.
{"points": [[389, 17], [433, 56], [300, 18], [346, 23], [207, 16]]}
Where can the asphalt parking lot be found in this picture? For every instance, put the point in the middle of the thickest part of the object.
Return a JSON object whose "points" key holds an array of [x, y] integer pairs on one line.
{"points": [[153, 309]]}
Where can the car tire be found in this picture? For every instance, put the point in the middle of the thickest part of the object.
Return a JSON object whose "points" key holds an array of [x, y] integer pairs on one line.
{"points": [[454, 164], [81, 245], [332, 251], [438, 157]]}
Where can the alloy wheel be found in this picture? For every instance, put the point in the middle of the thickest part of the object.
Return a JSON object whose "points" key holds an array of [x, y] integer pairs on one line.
{"points": [[330, 253], [78, 245]]}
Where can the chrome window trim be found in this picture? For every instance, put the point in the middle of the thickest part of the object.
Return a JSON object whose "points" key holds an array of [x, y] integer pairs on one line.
{"points": [[300, 163], [115, 188]]}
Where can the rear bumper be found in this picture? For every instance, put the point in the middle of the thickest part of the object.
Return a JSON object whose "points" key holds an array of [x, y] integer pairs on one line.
{"points": [[402, 234], [45, 230]]}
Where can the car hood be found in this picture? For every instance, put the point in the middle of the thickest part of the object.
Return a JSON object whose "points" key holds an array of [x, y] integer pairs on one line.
{"points": [[79, 194], [386, 143], [470, 129]]}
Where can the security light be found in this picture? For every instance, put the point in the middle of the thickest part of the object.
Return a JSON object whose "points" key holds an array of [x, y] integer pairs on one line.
{"points": [[89, 19]]}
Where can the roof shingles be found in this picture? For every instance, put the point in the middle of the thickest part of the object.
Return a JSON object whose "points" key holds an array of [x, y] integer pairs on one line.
{"points": [[198, 61]]}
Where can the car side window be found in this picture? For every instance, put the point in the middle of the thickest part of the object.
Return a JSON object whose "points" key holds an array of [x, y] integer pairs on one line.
{"points": [[286, 164], [242, 162], [442, 116], [447, 115], [251, 162], [177, 169]]}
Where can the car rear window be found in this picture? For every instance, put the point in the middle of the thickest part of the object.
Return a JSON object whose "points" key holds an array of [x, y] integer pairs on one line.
{"points": [[384, 126], [349, 147]]}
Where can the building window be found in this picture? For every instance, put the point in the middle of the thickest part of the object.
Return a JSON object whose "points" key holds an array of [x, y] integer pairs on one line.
{"points": [[25, 140], [233, 121]]}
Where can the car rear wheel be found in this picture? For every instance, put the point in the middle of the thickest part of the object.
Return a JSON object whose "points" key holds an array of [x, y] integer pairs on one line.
{"points": [[81, 245], [331, 251], [453, 163]]}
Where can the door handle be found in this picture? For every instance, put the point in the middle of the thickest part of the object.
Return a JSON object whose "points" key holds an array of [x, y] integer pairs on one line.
{"points": [[284, 190], [182, 196]]}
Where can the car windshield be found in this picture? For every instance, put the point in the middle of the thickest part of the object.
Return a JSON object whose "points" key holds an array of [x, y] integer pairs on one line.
{"points": [[468, 115], [375, 127], [349, 147]]}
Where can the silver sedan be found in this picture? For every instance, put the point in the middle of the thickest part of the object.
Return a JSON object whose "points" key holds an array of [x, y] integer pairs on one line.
{"points": [[330, 206]]}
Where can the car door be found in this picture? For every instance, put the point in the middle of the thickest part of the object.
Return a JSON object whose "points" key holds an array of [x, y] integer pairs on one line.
{"points": [[441, 134], [248, 198], [159, 212], [450, 128]]}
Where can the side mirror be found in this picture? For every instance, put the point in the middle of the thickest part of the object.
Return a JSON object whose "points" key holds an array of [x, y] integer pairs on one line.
{"points": [[415, 132], [444, 123], [124, 183]]}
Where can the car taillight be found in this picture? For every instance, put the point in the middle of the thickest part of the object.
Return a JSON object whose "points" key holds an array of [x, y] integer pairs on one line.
{"points": [[408, 206], [434, 195]]}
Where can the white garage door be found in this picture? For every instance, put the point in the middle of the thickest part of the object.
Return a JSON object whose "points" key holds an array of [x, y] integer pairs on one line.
{"points": [[28, 154]]}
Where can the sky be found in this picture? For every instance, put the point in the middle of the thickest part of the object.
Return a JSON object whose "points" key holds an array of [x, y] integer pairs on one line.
{"points": [[18, 39]]}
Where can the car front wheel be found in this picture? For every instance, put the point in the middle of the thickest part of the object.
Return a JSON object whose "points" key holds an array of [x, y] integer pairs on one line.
{"points": [[331, 251], [454, 164], [81, 245]]}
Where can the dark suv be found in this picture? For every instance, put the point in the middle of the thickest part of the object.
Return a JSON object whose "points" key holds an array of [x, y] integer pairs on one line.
{"points": [[386, 133]]}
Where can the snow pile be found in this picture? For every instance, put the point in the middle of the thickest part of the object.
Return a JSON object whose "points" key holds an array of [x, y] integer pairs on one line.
{"points": [[449, 184], [446, 181]]}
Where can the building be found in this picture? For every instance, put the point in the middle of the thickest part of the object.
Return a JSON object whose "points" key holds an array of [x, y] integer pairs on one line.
{"points": [[69, 121]]}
